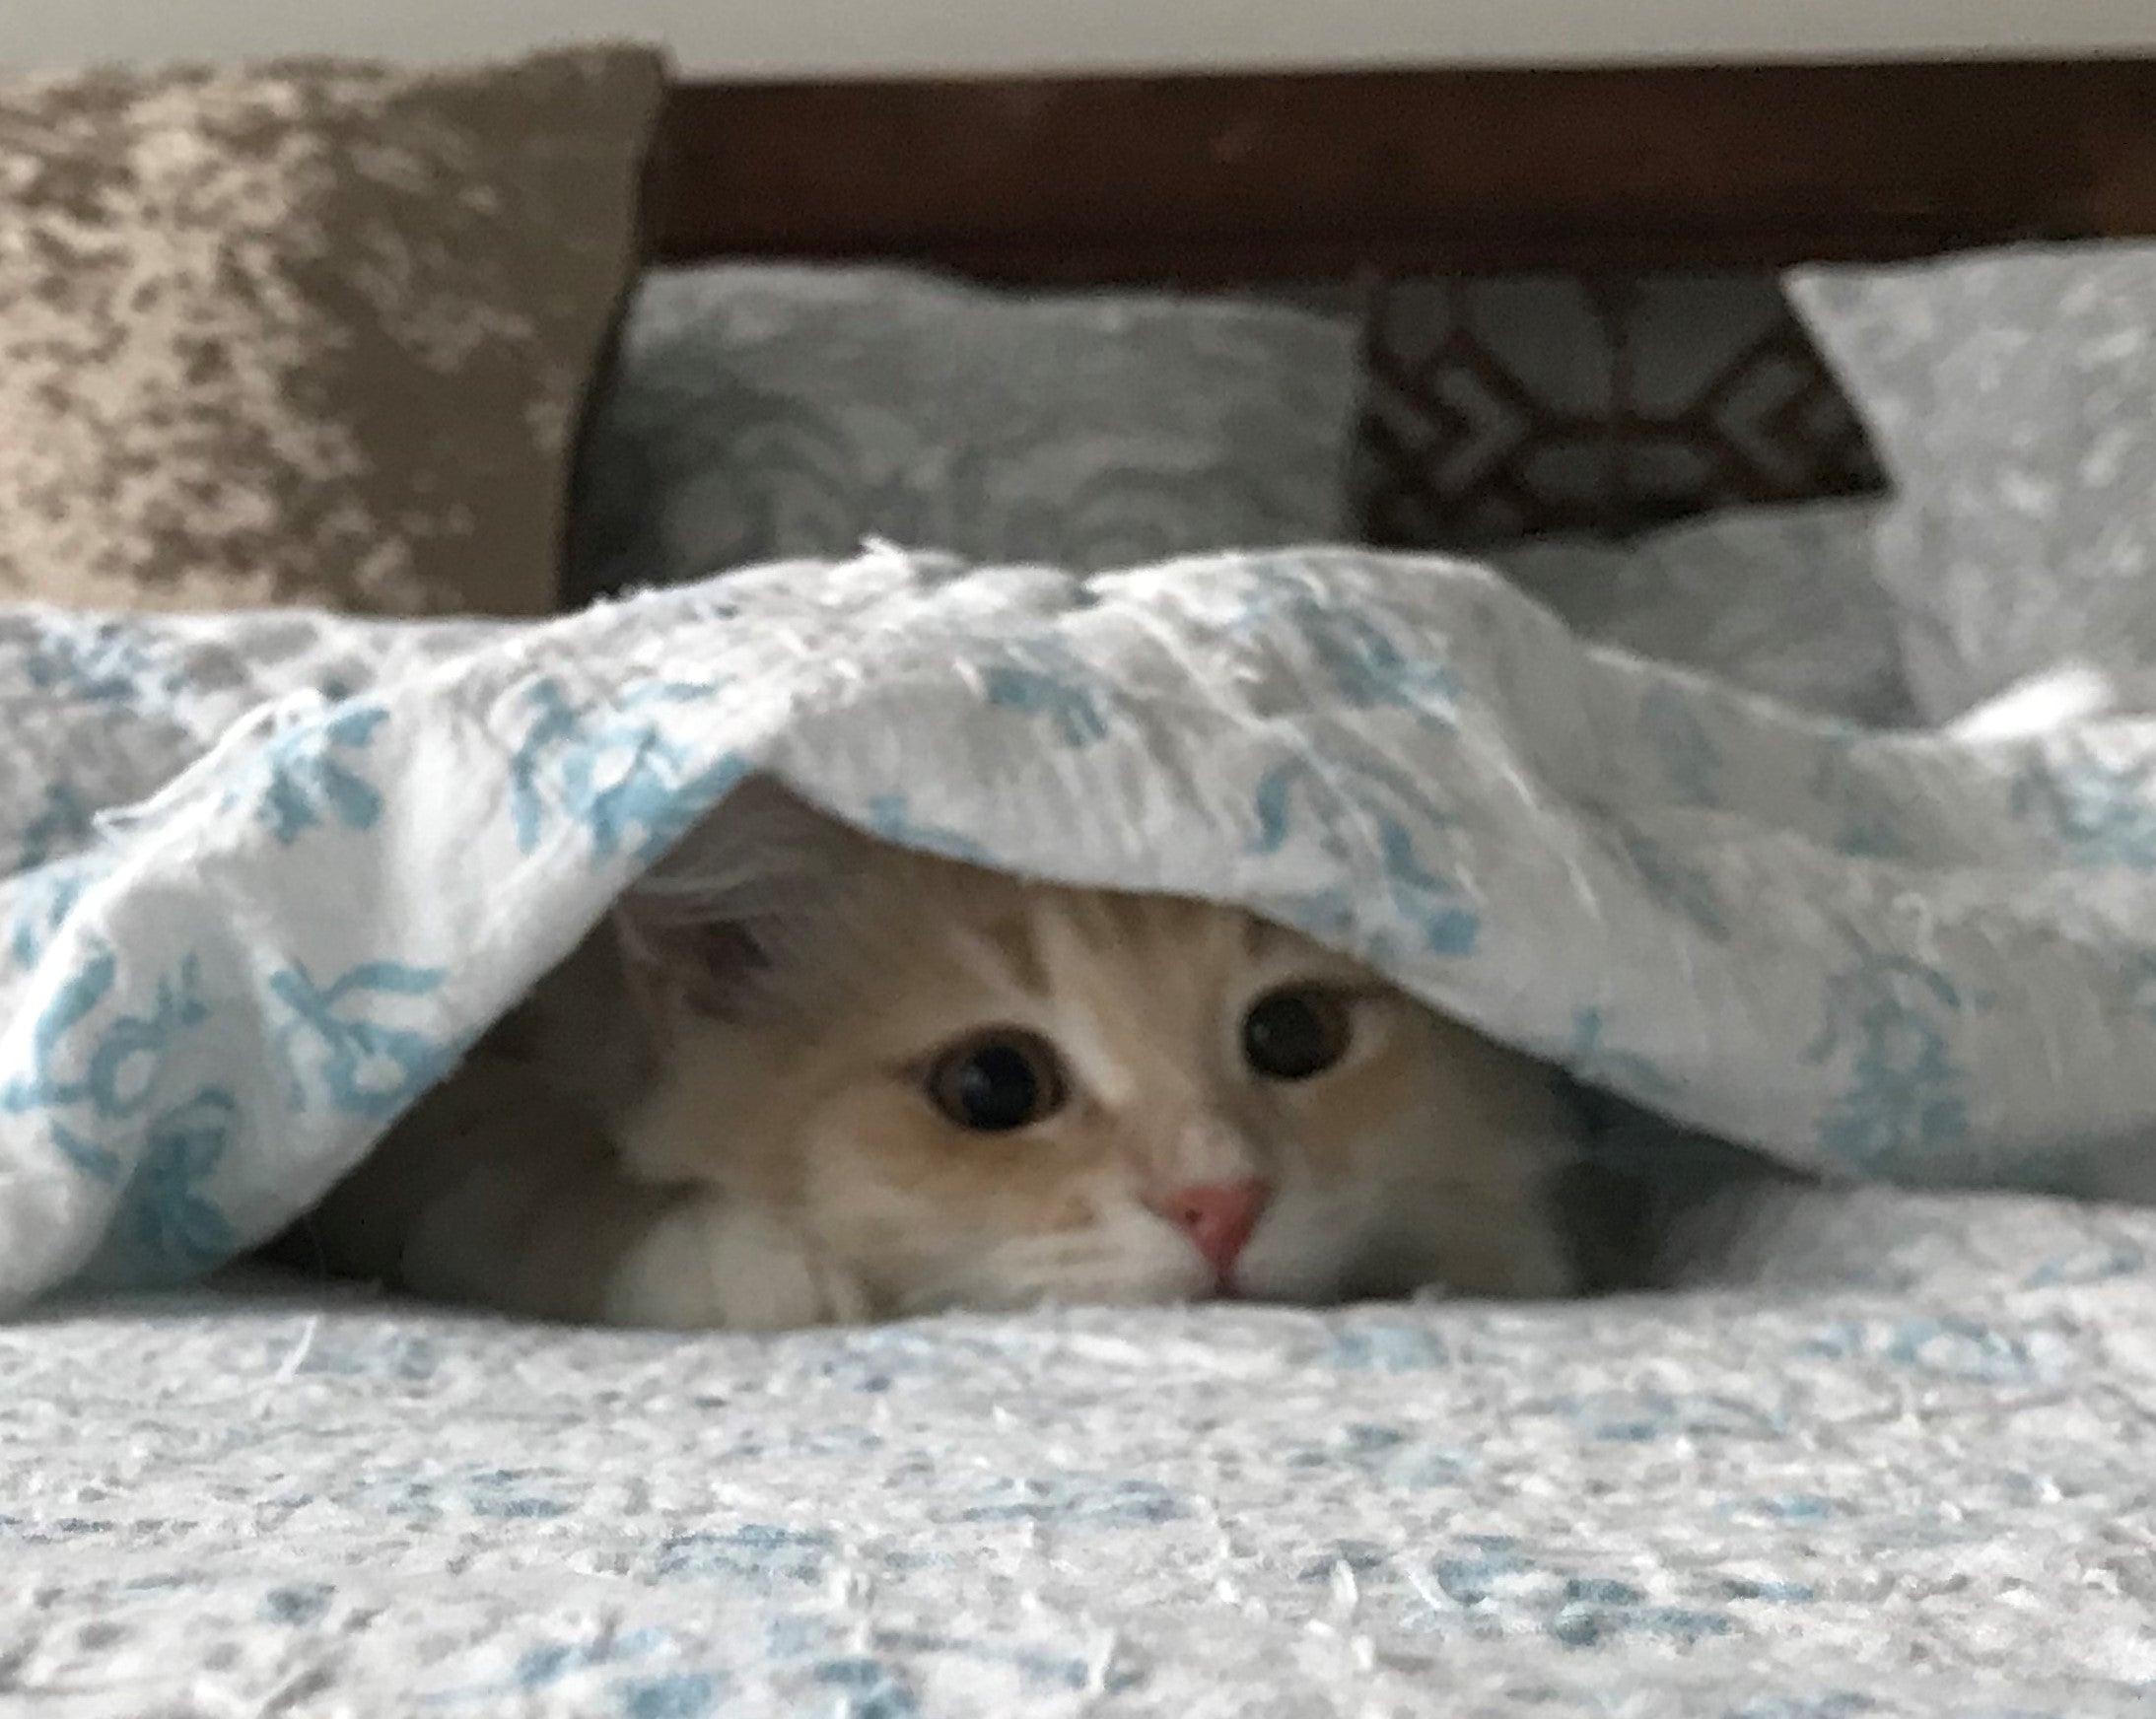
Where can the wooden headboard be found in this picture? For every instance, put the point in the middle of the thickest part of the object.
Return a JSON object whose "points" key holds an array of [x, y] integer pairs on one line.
{"points": [[1413, 189]]}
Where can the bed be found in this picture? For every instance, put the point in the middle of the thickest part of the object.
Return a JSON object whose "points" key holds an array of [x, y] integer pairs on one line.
{"points": [[1870, 1452]]}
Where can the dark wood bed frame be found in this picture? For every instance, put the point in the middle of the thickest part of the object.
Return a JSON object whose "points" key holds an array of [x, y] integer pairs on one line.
{"points": [[1605, 176], [1211, 179]]}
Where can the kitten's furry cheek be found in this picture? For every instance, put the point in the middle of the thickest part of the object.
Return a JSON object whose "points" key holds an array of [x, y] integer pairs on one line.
{"points": [[710, 1266], [1133, 1262], [1506, 1245], [1389, 1241], [1301, 1252]]}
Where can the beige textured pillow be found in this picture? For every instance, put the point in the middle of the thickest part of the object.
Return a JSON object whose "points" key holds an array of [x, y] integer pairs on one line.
{"points": [[311, 332]]}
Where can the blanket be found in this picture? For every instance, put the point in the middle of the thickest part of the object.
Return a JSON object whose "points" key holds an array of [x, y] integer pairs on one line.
{"points": [[272, 874], [1896, 1468]]}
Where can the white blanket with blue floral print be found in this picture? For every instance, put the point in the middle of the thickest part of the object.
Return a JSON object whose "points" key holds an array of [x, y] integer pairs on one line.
{"points": [[271, 872]]}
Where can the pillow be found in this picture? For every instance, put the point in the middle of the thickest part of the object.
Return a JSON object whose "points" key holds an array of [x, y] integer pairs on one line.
{"points": [[2014, 398], [314, 332], [1783, 601], [765, 411]]}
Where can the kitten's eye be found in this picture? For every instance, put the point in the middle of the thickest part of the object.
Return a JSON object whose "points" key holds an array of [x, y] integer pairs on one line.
{"points": [[997, 1082], [1292, 1035]]}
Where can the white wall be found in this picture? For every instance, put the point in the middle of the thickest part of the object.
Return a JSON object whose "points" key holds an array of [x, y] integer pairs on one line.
{"points": [[780, 38]]}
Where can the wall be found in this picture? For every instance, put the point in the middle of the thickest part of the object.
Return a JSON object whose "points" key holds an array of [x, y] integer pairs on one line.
{"points": [[779, 37]]}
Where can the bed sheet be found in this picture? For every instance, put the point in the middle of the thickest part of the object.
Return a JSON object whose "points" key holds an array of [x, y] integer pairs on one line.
{"points": [[1896, 1465]]}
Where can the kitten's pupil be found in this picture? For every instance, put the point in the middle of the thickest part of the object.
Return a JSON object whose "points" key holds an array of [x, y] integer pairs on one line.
{"points": [[1292, 1035], [996, 1089], [996, 1083]]}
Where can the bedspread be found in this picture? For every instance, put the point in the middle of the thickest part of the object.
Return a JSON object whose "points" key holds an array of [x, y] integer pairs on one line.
{"points": [[1897, 1464]]}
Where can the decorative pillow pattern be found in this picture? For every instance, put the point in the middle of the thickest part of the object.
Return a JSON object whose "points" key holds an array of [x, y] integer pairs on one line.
{"points": [[762, 412], [2013, 396], [313, 332]]}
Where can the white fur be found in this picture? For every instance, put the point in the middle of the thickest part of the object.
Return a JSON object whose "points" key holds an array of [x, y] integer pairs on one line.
{"points": [[712, 1263], [1129, 1257]]}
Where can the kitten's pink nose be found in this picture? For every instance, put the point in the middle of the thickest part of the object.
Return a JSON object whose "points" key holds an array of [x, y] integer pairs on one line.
{"points": [[1217, 1217]]}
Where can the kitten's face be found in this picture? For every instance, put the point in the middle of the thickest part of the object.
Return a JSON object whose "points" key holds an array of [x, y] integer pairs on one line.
{"points": [[975, 1092]]}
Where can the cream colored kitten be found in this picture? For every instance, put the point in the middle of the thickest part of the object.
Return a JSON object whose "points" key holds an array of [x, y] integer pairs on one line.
{"points": [[806, 1076]]}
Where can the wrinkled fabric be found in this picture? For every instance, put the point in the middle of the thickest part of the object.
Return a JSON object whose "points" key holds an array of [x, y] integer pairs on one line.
{"points": [[1893, 1464], [273, 874]]}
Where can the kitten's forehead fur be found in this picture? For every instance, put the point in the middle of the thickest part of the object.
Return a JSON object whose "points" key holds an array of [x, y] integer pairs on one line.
{"points": [[803, 1085], [841, 917], [1119, 984]]}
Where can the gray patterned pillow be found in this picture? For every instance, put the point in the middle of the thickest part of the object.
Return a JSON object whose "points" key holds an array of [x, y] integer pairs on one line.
{"points": [[768, 411], [311, 332], [2013, 396]]}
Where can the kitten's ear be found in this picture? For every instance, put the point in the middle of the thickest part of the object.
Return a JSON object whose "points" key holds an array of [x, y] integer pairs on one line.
{"points": [[707, 967], [734, 901]]}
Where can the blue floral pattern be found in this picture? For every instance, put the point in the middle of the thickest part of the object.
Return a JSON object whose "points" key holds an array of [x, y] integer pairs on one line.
{"points": [[338, 1044], [117, 1055], [61, 827], [1591, 1058], [170, 1215], [369, 840], [1385, 815], [54, 864], [1041, 677], [1890, 1024], [2100, 814], [97, 662], [1867, 1473], [612, 770], [308, 775], [1366, 664]]}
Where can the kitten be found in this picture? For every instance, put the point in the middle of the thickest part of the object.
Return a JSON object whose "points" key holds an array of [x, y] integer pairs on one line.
{"points": [[806, 1076]]}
